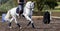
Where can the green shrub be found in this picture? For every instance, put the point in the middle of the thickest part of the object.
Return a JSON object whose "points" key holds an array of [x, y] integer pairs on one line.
{"points": [[5, 7]]}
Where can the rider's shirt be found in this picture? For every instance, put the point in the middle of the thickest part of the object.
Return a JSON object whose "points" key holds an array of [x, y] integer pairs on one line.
{"points": [[21, 2]]}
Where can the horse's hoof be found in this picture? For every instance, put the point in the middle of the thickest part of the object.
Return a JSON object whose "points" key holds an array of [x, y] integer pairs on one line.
{"points": [[20, 27], [10, 27]]}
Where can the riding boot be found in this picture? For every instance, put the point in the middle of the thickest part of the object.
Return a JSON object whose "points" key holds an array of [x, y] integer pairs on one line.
{"points": [[33, 25], [29, 23]]}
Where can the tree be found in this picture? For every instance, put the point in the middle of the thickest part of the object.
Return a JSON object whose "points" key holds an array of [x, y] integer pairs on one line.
{"points": [[3, 1], [40, 4], [15, 2], [51, 3]]}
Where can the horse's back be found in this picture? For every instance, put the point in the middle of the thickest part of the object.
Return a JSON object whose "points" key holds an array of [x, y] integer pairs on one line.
{"points": [[13, 11]]}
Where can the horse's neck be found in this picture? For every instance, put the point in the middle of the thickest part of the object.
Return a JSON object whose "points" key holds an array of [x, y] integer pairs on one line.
{"points": [[27, 5]]}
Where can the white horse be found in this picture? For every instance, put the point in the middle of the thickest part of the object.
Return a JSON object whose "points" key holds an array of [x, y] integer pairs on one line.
{"points": [[11, 14]]}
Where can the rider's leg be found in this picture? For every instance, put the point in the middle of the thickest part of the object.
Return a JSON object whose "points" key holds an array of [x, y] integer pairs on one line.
{"points": [[21, 9]]}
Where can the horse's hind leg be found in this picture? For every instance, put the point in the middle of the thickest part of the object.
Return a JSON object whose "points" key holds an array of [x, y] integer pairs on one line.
{"points": [[17, 23], [29, 23], [10, 22]]}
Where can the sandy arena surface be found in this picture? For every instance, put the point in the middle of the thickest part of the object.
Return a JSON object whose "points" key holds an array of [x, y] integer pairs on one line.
{"points": [[38, 22]]}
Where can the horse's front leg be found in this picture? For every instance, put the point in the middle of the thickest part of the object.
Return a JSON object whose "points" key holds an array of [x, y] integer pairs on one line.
{"points": [[31, 22]]}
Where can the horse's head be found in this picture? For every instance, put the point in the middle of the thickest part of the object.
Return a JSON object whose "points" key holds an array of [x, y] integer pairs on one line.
{"points": [[32, 4]]}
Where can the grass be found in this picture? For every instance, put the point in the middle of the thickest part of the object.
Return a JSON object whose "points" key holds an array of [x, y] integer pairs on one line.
{"points": [[55, 10], [58, 2], [8, 5]]}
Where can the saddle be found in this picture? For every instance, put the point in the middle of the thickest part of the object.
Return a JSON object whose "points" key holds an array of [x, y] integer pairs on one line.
{"points": [[19, 11]]}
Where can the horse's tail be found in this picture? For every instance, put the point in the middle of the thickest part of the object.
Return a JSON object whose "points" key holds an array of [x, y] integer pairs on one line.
{"points": [[8, 14]]}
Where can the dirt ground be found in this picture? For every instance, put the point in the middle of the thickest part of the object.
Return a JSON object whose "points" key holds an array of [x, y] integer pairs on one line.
{"points": [[40, 26]]}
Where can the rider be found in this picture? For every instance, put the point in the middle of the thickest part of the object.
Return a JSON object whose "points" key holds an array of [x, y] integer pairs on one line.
{"points": [[21, 6]]}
